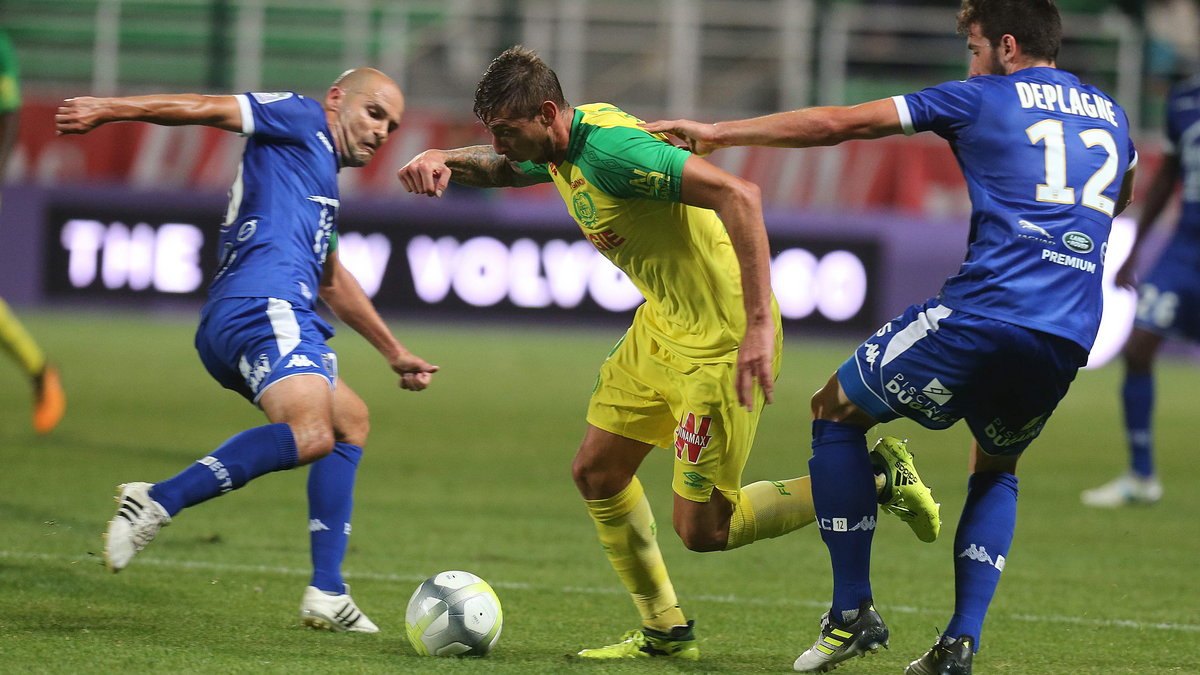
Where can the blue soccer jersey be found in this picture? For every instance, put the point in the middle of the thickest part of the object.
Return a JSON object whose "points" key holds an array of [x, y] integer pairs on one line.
{"points": [[282, 205], [1044, 157], [1169, 296], [1183, 139]]}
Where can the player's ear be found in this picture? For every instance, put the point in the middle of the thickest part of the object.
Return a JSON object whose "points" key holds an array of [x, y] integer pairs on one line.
{"points": [[333, 98], [1010, 50], [549, 112]]}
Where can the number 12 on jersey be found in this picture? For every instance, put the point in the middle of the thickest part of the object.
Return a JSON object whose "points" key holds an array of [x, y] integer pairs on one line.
{"points": [[1055, 189]]}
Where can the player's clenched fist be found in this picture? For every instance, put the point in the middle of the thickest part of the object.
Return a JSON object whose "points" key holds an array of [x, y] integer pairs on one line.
{"points": [[426, 174], [79, 115]]}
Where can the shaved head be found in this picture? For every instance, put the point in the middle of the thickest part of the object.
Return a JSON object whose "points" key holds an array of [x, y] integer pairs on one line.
{"points": [[364, 106], [364, 80]]}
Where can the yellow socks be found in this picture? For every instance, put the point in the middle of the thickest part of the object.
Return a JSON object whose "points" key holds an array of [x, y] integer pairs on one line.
{"points": [[627, 532], [770, 508], [15, 340]]}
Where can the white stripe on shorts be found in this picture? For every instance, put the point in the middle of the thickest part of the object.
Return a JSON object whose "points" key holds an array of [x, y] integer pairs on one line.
{"points": [[924, 323], [284, 325]]}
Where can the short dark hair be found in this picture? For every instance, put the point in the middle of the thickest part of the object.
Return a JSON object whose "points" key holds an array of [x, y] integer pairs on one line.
{"points": [[515, 85], [1034, 23]]}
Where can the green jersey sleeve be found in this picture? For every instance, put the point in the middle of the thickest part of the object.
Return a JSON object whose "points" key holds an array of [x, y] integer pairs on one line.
{"points": [[538, 171], [628, 162], [10, 88]]}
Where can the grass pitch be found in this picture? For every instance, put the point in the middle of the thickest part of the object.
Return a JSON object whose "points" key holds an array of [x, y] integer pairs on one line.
{"points": [[474, 474]]}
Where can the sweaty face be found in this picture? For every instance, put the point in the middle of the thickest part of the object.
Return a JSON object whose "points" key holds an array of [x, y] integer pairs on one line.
{"points": [[985, 58], [365, 120], [521, 139]]}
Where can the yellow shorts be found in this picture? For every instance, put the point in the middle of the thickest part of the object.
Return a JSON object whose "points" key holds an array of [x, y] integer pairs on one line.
{"points": [[646, 393]]}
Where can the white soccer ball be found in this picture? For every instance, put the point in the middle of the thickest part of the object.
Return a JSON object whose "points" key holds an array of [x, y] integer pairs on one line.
{"points": [[453, 614]]}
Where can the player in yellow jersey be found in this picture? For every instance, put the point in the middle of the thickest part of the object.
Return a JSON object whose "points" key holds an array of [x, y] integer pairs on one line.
{"points": [[696, 367], [49, 400]]}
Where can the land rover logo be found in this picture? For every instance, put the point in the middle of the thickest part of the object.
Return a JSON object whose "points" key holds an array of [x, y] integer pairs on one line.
{"points": [[1078, 242]]}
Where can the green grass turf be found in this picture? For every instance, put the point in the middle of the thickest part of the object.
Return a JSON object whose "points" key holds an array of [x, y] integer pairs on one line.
{"points": [[474, 474]]}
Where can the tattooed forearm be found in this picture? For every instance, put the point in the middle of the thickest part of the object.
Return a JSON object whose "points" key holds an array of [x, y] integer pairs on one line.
{"points": [[480, 166]]}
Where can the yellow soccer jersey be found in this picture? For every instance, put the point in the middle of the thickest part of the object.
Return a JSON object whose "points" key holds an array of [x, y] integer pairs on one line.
{"points": [[622, 186]]}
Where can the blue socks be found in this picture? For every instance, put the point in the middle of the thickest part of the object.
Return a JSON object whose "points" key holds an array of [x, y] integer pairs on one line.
{"points": [[1137, 394], [330, 501], [239, 460], [985, 532], [843, 491]]}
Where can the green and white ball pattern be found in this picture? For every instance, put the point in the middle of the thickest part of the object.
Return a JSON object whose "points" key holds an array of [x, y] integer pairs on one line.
{"points": [[453, 614]]}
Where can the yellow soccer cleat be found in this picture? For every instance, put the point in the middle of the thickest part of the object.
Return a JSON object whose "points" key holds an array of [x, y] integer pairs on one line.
{"points": [[644, 643], [903, 494]]}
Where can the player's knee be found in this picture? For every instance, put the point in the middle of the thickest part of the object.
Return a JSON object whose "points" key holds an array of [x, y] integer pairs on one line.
{"points": [[1137, 361], [312, 442], [701, 539], [595, 482], [354, 432], [824, 404]]}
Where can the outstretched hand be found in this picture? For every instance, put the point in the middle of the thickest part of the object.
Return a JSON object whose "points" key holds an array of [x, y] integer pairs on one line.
{"points": [[415, 373], [700, 138], [426, 174], [78, 115], [755, 357]]}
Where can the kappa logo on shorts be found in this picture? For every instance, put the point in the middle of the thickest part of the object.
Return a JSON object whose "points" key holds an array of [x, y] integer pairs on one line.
{"points": [[691, 437], [300, 361]]}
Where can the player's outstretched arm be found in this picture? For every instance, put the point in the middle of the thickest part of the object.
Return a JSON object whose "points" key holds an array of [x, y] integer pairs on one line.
{"points": [[82, 114], [349, 303], [430, 172], [739, 204], [804, 128]]}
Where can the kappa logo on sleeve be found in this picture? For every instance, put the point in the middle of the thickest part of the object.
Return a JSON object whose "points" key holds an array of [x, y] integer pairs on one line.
{"points": [[691, 437], [271, 96]]}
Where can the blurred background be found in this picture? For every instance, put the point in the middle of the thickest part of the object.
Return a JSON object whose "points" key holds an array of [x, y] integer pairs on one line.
{"points": [[127, 214]]}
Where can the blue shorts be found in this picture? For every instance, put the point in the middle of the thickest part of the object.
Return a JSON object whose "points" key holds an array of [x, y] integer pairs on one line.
{"points": [[1169, 298], [936, 366], [248, 344]]}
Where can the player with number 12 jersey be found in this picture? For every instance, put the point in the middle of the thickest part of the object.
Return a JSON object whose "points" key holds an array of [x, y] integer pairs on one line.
{"points": [[1029, 230]]}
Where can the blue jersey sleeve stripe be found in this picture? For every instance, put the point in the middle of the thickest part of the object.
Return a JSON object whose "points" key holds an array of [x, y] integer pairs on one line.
{"points": [[247, 114], [906, 121]]}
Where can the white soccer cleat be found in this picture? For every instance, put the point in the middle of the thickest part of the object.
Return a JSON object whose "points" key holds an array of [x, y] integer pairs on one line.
{"points": [[1123, 491], [337, 613], [138, 520]]}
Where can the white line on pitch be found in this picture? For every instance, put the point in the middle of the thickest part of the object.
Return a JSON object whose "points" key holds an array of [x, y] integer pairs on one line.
{"points": [[517, 585]]}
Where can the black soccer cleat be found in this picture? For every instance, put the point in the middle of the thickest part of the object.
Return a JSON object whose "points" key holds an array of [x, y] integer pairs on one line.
{"points": [[948, 656], [865, 633]]}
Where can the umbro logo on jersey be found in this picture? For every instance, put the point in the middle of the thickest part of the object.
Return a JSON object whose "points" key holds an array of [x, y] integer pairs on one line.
{"points": [[300, 361]]}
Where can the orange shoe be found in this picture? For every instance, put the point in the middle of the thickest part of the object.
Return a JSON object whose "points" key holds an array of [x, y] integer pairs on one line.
{"points": [[50, 401]]}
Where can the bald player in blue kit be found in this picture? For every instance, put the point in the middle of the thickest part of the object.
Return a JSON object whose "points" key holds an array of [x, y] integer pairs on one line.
{"points": [[259, 333]]}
